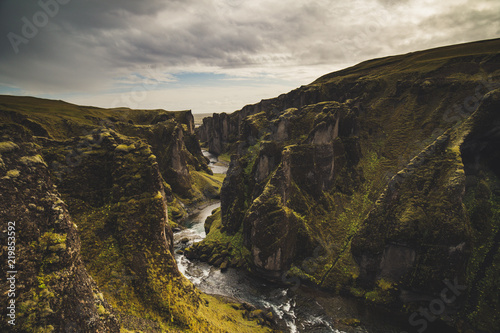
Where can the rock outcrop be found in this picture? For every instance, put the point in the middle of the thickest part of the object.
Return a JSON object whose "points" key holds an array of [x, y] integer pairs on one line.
{"points": [[52, 290], [380, 180]]}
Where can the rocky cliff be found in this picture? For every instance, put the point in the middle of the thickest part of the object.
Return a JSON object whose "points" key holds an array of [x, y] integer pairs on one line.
{"points": [[52, 290], [379, 181], [91, 191]]}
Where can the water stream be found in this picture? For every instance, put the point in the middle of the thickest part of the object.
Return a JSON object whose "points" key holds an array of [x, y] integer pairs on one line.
{"points": [[302, 310]]}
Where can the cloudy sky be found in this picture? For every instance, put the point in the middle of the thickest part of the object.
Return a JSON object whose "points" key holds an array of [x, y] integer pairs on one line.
{"points": [[213, 55]]}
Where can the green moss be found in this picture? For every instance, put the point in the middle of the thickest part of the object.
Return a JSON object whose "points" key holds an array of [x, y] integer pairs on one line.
{"points": [[7, 146], [383, 293], [337, 267], [250, 158], [31, 160], [124, 148], [385, 285], [220, 244], [101, 311], [44, 329], [357, 292], [208, 185], [224, 157], [13, 173], [257, 123], [35, 310], [176, 212], [51, 239], [353, 322]]}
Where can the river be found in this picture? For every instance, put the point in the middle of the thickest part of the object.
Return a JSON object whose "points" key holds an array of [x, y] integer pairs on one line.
{"points": [[301, 310]]}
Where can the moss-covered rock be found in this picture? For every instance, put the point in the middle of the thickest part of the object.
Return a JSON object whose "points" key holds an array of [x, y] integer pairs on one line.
{"points": [[7, 146], [54, 292]]}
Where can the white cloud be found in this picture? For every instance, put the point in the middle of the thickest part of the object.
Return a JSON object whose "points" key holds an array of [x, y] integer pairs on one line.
{"points": [[96, 47]]}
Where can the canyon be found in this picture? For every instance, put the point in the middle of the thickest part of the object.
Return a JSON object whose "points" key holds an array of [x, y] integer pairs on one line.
{"points": [[379, 184], [379, 181]]}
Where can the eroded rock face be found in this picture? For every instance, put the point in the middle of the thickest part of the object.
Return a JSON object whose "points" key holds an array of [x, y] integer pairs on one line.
{"points": [[268, 220], [53, 288], [218, 131], [178, 165], [396, 261], [274, 180]]}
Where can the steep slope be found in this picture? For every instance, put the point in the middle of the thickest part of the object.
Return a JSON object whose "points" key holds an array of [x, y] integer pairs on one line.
{"points": [[368, 181], [118, 174]]}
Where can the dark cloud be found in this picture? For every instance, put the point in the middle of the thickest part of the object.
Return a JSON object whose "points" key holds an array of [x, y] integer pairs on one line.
{"points": [[91, 42], [462, 23]]}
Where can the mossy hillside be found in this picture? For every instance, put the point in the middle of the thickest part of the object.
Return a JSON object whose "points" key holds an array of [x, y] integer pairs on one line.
{"points": [[208, 185], [61, 120], [425, 61], [224, 158], [426, 214], [333, 265], [50, 118], [447, 213], [170, 134], [204, 187]]}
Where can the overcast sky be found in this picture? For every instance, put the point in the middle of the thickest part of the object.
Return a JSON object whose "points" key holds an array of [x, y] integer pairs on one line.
{"points": [[213, 55]]}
